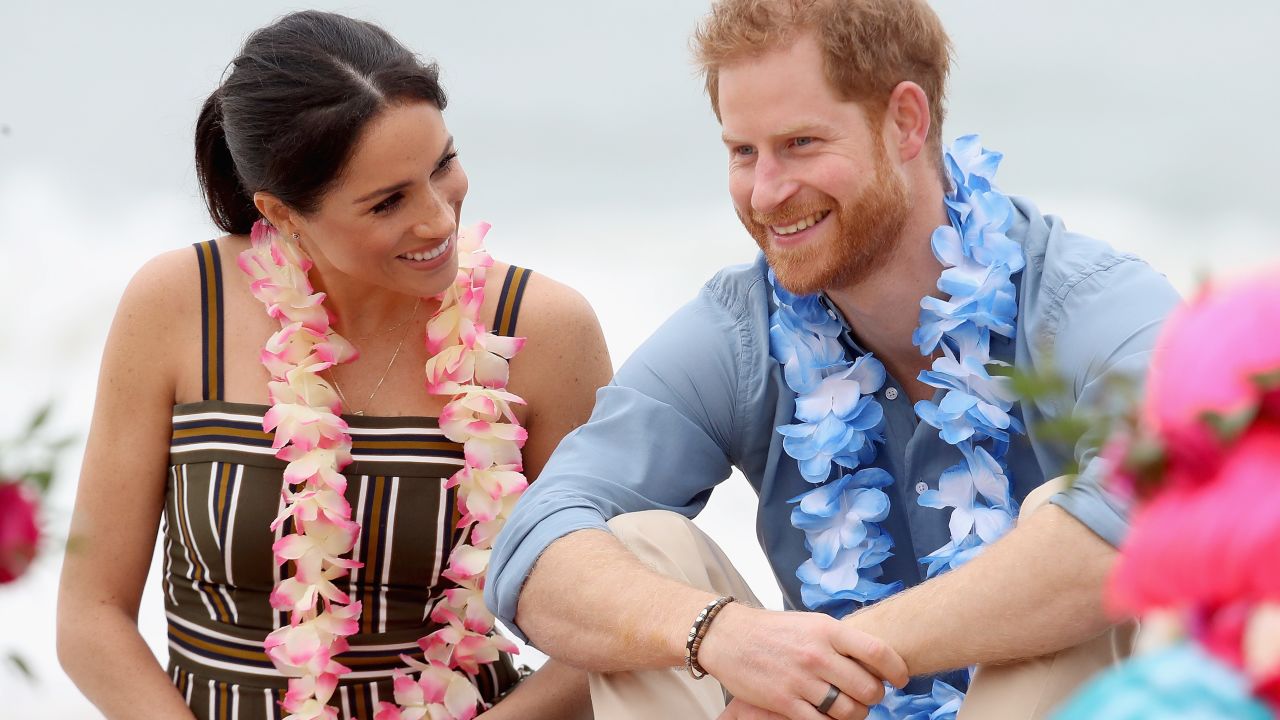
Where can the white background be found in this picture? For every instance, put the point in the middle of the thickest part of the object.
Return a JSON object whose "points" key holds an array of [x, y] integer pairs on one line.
{"points": [[592, 150]]}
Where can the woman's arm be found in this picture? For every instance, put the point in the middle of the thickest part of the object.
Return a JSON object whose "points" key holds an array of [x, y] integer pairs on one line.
{"points": [[563, 363], [557, 373], [121, 496]]}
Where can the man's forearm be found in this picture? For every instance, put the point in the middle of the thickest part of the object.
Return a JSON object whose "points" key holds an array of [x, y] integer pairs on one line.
{"points": [[589, 602], [1036, 591]]}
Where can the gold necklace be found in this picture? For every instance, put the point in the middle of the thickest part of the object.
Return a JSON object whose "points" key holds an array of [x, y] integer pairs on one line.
{"points": [[395, 327], [334, 378]]}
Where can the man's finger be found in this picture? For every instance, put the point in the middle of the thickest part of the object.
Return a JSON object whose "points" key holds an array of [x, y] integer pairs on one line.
{"points": [[873, 653], [805, 710], [846, 708], [853, 680]]}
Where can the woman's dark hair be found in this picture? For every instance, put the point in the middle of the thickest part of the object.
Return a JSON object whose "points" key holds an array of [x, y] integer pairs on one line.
{"points": [[286, 118]]}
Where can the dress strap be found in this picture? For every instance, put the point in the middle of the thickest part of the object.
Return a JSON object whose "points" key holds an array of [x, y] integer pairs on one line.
{"points": [[211, 375], [504, 320]]}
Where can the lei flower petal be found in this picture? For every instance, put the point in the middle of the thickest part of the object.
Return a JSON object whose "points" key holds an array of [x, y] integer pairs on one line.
{"points": [[839, 421], [468, 363]]}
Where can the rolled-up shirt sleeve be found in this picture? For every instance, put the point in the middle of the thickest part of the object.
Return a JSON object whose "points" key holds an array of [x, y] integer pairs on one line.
{"points": [[660, 438], [1106, 330]]}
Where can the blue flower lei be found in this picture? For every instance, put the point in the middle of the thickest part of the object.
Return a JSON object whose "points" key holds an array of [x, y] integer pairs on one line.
{"points": [[839, 422]]}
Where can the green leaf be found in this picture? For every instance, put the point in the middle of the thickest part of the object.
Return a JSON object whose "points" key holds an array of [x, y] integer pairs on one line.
{"points": [[1144, 453], [1268, 381], [42, 479], [1066, 430], [38, 421], [22, 667], [1229, 426], [56, 446], [1045, 385]]}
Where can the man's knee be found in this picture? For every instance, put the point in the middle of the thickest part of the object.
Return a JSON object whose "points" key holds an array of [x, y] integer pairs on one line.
{"points": [[1039, 497], [673, 546], [652, 534], [651, 526]]}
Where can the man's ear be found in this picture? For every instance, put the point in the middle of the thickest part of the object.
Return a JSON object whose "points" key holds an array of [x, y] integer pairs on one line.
{"points": [[907, 116]]}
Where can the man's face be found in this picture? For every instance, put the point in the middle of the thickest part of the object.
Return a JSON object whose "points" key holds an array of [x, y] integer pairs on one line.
{"points": [[809, 177]]}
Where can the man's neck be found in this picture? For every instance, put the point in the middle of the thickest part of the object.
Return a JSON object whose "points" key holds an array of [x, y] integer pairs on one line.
{"points": [[883, 308]]}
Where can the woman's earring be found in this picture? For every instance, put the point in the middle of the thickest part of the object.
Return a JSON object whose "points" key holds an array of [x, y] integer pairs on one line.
{"points": [[296, 238]]}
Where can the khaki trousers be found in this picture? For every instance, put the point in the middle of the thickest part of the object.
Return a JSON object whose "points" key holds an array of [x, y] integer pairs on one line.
{"points": [[674, 546], [1032, 689]]}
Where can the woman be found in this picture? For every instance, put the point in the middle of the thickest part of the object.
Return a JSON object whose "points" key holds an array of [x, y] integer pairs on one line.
{"points": [[327, 140]]}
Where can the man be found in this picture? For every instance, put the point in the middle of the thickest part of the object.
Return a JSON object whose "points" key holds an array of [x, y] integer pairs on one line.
{"points": [[853, 392]]}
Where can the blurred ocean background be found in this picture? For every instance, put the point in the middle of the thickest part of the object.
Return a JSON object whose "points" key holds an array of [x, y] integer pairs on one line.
{"points": [[590, 147]]}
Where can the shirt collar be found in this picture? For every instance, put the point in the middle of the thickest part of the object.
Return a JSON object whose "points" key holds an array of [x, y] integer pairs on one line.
{"points": [[846, 337]]}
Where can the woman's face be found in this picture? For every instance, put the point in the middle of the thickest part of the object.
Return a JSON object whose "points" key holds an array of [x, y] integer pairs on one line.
{"points": [[391, 219]]}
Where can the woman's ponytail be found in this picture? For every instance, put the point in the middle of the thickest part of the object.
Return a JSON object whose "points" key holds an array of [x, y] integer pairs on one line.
{"points": [[230, 206]]}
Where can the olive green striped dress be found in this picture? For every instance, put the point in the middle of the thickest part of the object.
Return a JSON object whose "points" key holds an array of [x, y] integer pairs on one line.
{"points": [[222, 494]]}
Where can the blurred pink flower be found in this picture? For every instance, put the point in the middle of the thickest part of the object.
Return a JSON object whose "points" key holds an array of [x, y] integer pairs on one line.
{"points": [[19, 534], [1205, 374], [1208, 544]]}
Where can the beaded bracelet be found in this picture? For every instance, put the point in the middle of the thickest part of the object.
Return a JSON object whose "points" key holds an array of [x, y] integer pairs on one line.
{"points": [[698, 631]]}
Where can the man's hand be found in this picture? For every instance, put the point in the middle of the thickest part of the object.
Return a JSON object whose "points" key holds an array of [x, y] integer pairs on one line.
{"points": [[785, 662], [1036, 591]]}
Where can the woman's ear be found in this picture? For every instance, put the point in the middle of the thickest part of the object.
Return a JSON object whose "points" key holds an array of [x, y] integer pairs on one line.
{"points": [[275, 211]]}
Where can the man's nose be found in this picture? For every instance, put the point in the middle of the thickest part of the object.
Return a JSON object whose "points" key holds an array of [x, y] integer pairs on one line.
{"points": [[773, 185]]}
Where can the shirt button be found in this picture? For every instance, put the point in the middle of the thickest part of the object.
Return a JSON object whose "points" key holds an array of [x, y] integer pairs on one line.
{"points": [[891, 393], [921, 487]]}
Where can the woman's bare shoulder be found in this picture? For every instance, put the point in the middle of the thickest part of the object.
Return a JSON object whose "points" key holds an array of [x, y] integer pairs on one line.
{"points": [[550, 308], [169, 282], [158, 317], [563, 340], [162, 287]]}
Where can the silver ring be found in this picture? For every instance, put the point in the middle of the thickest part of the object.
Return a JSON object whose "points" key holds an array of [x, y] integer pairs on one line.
{"points": [[833, 692]]}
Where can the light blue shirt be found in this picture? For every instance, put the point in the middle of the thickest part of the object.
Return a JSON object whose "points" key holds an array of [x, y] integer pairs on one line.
{"points": [[703, 395]]}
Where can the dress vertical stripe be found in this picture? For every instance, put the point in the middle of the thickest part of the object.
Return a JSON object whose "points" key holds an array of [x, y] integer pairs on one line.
{"points": [[362, 703], [279, 618], [168, 537], [228, 527], [374, 521], [188, 543], [442, 535], [219, 489], [508, 310], [215, 591], [356, 576], [385, 578], [211, 333], [219, 503]]}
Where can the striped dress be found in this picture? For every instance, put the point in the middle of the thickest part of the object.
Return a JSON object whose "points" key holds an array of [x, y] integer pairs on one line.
{"points": [[222, 494]]}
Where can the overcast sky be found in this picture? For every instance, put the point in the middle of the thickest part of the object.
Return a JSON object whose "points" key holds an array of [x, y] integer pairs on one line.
{"points": [[591, 148]]}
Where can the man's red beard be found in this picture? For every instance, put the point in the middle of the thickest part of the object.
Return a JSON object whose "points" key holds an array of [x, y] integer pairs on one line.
{"points": [[865, 234]]}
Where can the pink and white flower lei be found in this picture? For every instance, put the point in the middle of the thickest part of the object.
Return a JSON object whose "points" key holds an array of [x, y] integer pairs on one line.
{"points": [[468, 363]]}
